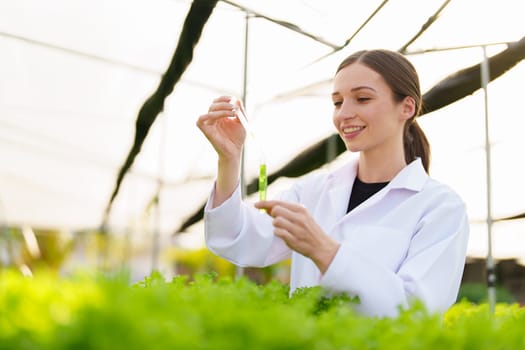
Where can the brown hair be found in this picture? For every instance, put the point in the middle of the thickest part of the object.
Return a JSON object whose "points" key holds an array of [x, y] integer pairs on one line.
{"points": [[402, 78]]}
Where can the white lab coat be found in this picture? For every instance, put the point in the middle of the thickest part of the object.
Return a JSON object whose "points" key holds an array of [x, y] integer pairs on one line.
{"points": [[408, 241]]}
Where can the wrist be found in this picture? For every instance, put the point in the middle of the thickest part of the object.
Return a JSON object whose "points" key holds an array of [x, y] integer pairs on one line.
{"points": [[230, 156], [326, 254], [227, 180]]}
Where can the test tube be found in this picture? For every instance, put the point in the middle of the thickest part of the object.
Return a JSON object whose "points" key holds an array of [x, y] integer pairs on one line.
{"points": [[263, 179]]}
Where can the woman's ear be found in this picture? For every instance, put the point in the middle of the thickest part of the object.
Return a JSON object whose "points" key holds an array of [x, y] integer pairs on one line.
{"points": [[408, 108]]}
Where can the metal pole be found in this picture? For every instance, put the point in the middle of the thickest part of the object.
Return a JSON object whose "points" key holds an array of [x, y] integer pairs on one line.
{"points": [[5, 234], [156, 206], [491, 271], [156, 233], [244, 84], [239, 271]]}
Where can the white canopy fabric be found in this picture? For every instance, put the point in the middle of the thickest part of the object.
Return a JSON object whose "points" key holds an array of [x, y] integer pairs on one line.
{"points": [[73, 75]]}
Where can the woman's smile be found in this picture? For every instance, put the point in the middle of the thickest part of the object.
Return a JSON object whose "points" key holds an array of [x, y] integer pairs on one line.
{"points": [[351, 132]]}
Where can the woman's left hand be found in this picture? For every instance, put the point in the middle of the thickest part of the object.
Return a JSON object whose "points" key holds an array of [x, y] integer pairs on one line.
{"points": [[293, 223]]}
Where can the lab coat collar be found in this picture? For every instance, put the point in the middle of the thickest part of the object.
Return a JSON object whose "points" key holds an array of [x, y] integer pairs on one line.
{"points": [[412, 177]]}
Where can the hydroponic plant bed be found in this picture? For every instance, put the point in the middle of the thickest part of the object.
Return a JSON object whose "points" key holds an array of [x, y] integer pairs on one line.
{"points": [[93, 312]]}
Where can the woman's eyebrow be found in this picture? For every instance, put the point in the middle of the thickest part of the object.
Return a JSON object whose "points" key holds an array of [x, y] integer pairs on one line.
{"points": [[364, 87], [357, 88]]}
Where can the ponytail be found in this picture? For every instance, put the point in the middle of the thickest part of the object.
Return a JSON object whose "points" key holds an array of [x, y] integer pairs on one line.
{"points": [[416, 144]]}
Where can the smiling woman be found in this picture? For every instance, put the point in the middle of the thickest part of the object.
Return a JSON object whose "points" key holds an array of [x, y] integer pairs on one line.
{"points": [[366, 84], [408, 235]]}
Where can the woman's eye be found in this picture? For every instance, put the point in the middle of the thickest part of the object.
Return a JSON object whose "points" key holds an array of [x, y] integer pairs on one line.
{"points": [[337, 103], [363, 99]]}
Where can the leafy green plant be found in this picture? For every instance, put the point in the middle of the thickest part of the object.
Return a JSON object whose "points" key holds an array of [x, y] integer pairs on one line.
{"points": [[89, 311]]}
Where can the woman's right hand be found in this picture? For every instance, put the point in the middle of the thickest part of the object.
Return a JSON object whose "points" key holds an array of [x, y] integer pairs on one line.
{"points": [[226, 134]]}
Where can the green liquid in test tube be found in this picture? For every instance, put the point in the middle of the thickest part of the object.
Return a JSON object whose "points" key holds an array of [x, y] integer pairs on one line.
{"points": [[263, 182]]}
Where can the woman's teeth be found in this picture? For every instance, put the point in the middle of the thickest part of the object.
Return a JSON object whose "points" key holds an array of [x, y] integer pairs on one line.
{"points": [[352, 129]]}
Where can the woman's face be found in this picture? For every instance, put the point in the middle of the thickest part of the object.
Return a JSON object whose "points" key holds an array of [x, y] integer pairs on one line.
{"points": [[365, 113]]}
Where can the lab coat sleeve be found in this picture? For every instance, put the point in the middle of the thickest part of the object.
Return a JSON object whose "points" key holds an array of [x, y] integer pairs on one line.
{"points": [[242, 234], [431, 271]]}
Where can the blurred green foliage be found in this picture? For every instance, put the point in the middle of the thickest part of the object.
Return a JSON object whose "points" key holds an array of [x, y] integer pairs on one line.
{"points": [[199, 261], [478, 293], [48, 251], [90, 311]]}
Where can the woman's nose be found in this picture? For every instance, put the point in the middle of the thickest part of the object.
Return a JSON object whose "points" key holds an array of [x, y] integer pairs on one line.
{"points": [[345, 111]]}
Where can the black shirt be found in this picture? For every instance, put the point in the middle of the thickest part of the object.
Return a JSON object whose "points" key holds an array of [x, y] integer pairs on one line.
{"points": [[361, 191]]}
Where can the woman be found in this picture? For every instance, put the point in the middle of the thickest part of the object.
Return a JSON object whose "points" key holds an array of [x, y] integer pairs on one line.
{"points": [[378, 228]]}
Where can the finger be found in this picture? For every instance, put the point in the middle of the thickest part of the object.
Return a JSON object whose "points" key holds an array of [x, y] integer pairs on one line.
{"points": [[223, 98], [284, 235], [213, 117], [204, 120], [222, 106], [267, 205], [283, 223], [285, 219], [279, 211], [294, 207], [236, 103]]}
